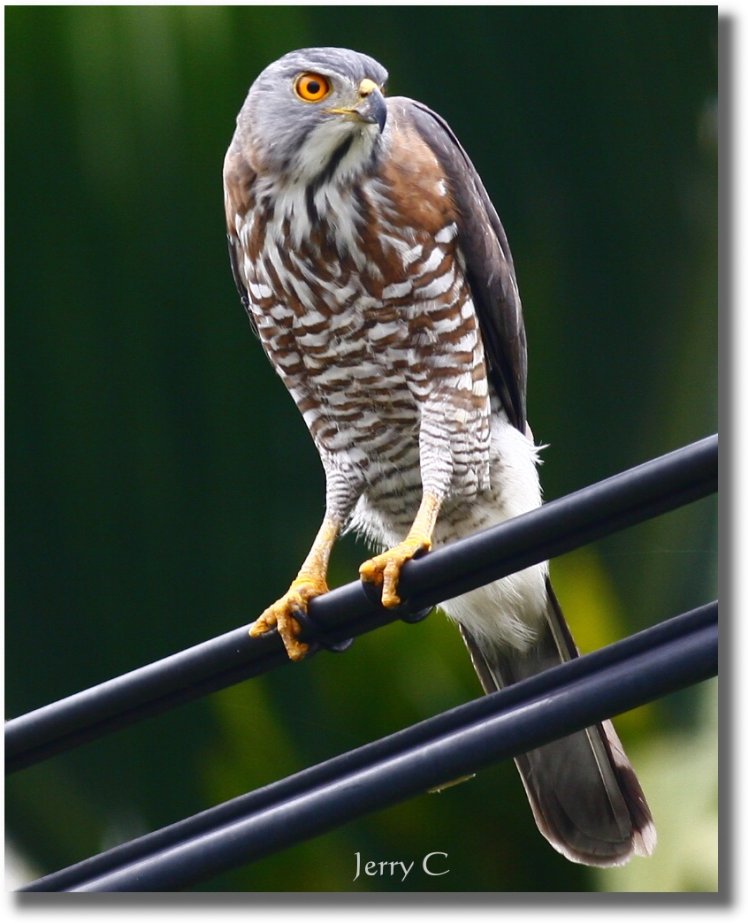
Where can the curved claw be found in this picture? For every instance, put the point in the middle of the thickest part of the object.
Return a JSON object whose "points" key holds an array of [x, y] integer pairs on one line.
{"points": [[384, 569], [281, 615]]}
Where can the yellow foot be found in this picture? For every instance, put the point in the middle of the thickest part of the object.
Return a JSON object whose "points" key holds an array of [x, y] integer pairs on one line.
{"points": [[384, 569], [281, 615]]}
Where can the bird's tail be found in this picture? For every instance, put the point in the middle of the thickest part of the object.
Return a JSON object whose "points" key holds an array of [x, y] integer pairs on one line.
{"points": [[585, 796]]}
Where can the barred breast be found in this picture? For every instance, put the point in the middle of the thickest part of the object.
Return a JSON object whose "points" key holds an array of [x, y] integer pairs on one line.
{"points": [[370, 323]]}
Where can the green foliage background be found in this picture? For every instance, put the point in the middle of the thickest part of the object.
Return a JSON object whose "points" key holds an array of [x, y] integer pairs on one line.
{"points": [[161, 487]]}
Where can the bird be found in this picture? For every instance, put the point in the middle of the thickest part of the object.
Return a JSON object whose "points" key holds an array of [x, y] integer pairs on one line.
{"points": [[378, 278]]}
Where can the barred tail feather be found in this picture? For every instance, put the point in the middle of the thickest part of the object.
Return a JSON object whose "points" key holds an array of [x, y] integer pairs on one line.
{"points": [[584, 795]]}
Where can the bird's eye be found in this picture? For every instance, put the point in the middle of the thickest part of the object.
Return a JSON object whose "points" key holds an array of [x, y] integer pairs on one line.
{"points": [[312, 87]]}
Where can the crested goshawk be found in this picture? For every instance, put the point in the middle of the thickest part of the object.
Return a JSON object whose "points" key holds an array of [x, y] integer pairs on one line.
{"points": [[378, 277]]}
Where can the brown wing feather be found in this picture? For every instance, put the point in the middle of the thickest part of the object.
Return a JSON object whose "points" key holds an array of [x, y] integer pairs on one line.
{"points": [[489, 262], [238, 182]]}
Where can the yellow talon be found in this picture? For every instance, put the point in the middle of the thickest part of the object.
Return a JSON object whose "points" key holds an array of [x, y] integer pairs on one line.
{"points": [[281, 614], [384, 569], [310, 582]]}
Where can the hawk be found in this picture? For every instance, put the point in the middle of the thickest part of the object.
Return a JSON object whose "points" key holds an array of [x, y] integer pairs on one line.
{"points": [[379, 280]]}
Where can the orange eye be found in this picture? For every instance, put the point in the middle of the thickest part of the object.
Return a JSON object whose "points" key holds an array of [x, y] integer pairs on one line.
{"points": [[312, 87]]}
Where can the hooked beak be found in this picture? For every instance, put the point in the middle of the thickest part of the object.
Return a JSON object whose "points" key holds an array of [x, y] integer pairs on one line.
{"points": [[371, 107]]}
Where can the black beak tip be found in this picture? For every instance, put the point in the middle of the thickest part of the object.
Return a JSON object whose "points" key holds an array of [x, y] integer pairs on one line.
{"points": [[373, 109], [379, 109]]}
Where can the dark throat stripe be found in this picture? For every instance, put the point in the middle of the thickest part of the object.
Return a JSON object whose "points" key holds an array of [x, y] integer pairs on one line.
{"points": [[324, 176]]}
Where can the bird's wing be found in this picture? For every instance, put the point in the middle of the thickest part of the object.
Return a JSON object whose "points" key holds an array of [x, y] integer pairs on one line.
{"points": [[238, 179], [490, 268]]}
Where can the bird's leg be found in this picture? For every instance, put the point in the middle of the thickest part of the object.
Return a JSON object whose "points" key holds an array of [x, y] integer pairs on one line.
{"points": [[311, 581], [384, 569]]}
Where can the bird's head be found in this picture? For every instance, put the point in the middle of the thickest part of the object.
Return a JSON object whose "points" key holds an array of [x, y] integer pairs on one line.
{"points": [[314, 111]]}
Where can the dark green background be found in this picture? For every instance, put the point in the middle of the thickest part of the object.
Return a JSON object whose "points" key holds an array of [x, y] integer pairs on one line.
{"points": [[161, 487]]}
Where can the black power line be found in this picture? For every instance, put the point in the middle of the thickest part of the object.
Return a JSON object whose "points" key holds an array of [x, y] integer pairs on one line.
{"points": [[642, 667], [591, 513]]}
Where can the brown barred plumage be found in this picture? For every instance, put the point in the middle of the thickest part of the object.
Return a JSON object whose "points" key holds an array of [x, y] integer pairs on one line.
{"points": [[380, 283]]}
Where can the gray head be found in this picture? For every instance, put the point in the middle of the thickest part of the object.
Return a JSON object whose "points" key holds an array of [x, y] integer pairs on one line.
{"points": [[313, 108]]}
